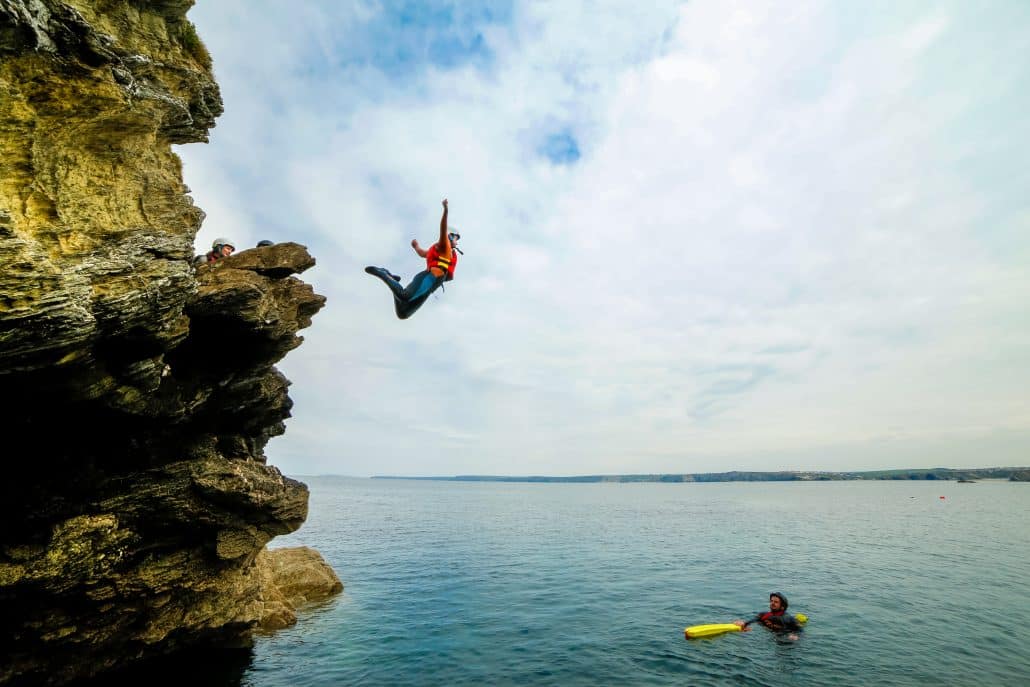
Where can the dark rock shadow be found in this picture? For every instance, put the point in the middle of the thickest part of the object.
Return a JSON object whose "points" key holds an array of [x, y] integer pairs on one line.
{"points": [[193, 667]]}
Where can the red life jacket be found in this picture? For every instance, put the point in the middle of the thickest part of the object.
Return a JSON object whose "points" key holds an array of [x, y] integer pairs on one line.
{"points": [[766, 618], [434, 259]]}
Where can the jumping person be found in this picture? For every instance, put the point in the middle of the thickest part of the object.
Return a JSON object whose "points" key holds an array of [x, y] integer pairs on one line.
{"points": [[441, 259]]}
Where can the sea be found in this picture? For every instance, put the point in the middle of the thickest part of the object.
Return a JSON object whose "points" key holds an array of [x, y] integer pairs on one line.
{"points": [[485, 583]]}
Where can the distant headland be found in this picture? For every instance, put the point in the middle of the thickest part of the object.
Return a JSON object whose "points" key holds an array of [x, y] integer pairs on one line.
{"points": [[961, 475]]}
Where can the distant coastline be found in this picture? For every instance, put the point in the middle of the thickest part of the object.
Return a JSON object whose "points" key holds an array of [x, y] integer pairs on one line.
{"points": [[944, 474]]}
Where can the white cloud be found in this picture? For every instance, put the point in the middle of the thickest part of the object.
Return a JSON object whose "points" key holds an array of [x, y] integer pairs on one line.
{"points": [[769, 254]]}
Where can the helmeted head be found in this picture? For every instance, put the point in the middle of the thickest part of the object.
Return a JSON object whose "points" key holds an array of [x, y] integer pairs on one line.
{"points": [[223, 246], [264, 242], [453, 236], [781, 599]]}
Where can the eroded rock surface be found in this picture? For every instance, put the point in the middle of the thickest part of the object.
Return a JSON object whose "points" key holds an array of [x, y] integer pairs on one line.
{"points": [[141, 389], [292, 578]]}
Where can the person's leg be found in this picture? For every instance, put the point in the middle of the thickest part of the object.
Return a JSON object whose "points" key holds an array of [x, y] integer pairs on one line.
{"points": [[391, 280], [415, 294]]}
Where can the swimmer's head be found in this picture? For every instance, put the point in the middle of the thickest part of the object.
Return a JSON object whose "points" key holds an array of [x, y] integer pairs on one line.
{"points": [[778, 600]]}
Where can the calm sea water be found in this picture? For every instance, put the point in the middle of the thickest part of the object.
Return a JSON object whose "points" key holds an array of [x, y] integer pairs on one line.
{"points": [[592, 584]]}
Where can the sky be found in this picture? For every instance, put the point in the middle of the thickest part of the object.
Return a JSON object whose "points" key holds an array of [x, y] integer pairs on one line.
{"points": [[698, 237]]}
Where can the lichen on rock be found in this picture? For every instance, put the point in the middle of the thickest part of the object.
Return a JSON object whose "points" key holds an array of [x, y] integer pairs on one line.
{"points": [[143, 389]]}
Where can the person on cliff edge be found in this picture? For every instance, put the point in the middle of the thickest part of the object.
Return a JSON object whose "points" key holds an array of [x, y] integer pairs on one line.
{"points": [[441, 259], [221, 248]]}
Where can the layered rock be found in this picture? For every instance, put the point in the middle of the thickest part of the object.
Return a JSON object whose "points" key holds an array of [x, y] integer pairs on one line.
{"points": [[291, 579], [141, 389]]}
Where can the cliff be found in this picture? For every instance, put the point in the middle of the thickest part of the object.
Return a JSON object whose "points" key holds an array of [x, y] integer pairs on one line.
{"points": [[141, 390]]}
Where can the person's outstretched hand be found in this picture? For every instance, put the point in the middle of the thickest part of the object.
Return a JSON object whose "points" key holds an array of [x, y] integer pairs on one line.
{"points": [[414, 243], [444, 203]]}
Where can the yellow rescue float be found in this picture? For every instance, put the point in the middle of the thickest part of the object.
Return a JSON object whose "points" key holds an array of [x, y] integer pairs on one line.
{"points": [[715, 629]]}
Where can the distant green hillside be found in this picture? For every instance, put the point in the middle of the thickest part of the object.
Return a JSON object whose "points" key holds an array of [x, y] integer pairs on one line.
{"points": [[1013, 474]]}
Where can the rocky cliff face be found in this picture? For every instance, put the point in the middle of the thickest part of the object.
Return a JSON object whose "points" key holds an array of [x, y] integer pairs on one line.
{"points": [[141, 390]]}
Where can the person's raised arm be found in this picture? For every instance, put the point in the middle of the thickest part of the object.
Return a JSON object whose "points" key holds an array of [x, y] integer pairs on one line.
{"points": [[444, 244], [418, 249]]}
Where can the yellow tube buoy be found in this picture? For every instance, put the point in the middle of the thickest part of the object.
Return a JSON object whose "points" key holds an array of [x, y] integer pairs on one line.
{"points": [[696, 631], [716, 629]]}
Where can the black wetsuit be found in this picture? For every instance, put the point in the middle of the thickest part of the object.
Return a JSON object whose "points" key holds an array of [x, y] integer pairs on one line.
{"points": [[408, 299], [777, 622]]}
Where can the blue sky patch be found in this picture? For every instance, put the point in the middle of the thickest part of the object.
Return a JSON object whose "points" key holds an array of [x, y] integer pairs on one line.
{"points": [[406, 37], [560, 148]]}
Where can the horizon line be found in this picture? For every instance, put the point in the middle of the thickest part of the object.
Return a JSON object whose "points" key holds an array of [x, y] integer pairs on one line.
{"points": [[667, 474]]}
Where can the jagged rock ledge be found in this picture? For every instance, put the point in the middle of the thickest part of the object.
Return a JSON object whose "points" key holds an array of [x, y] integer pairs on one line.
{"points": [[140, 391]]}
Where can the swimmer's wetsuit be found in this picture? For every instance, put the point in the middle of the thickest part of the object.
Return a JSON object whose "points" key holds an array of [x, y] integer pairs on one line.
{"points": [[781, 621]]}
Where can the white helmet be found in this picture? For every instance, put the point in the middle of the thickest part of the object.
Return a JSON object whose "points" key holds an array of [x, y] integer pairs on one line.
{"points": [[218, 243]]}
